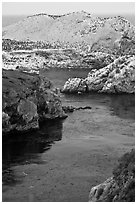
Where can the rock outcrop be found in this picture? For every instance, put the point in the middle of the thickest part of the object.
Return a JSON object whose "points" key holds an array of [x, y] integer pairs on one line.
{"points": [[27, 100], [97, 60], [117, 77], [25, 61], [121, 186]]}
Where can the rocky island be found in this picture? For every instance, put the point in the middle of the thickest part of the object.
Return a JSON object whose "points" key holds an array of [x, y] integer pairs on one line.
{"points": [[105, 47]]}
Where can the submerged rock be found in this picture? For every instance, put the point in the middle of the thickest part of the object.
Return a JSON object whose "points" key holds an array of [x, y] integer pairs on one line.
{"points": [[117, 77], [121, 186], [70, 109], [27, 100]]}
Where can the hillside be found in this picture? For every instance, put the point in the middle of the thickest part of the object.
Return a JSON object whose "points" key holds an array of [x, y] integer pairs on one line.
{"points": [[79, 29]]}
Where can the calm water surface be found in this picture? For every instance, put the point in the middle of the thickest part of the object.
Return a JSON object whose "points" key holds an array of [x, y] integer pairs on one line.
{"points": [[110, 113]]}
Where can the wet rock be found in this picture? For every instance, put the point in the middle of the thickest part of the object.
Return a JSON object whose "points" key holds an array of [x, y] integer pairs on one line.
{"points": [[27, 100], [84, 108], [117, 77], [70, 109]]}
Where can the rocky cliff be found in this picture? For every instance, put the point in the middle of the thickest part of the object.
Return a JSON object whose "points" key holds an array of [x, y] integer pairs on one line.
{"points": [[121, 186], [117, 77], [27, 100]]}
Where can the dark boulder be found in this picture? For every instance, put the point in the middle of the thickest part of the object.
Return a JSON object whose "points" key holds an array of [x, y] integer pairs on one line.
{"points": [[27, 100]]}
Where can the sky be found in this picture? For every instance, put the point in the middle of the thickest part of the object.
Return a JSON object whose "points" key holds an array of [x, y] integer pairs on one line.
{"points": [[104, 8]]}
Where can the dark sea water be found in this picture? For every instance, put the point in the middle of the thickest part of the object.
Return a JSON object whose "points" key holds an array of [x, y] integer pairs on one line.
{"points": [[62, 160], [62, 147], [120, 105], [27, 148]]}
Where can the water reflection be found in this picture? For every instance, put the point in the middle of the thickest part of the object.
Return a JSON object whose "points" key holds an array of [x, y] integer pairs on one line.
{"points": [[123, 106], [27, 148]]}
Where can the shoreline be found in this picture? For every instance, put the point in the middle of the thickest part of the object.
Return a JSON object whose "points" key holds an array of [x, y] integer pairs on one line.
{"points": [[83, 158]]}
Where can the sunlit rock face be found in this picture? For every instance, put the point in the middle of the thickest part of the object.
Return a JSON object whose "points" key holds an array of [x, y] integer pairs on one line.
{"points": [[117, 77], [27, 100]]}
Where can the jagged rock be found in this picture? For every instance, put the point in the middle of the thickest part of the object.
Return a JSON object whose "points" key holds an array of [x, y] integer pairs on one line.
{"points": [[26, 62], [97, 60], [74, 85], [122, 78], [27, 100], [5, 121], [98, 193], [117, 77], [121, 186]]}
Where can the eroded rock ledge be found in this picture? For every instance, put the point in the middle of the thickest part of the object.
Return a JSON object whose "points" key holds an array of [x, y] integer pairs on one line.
{"points": [[121, 186], [27, 100], [117, 77]]}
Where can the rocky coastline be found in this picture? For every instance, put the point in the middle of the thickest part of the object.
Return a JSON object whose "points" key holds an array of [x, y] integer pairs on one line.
{"points": [[27, 100], [118, 77]]}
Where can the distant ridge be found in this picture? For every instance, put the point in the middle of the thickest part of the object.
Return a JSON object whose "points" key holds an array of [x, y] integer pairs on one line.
{"points": [[54, 16], [44, 14], [77, 29]]}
